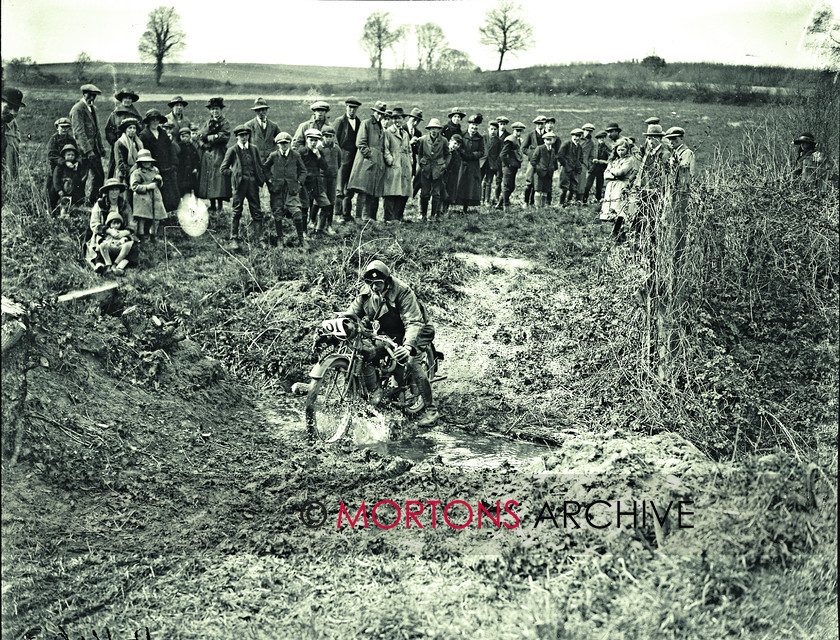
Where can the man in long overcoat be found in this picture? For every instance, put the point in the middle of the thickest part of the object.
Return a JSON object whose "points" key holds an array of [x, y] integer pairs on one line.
{"points": [[433, 157], [412, 126], [346, 128], [85, 127], [651, 182], [367, 176]]}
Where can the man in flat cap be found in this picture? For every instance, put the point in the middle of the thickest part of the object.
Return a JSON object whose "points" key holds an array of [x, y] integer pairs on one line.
{"points": [[243, 165], [368, 174], [570, 159], [346, 128], [285, 174], [510, 158], [532, 141], [681, 176], [599, 165], [504, 130], [587, 155], [433, 156], [319, 110], [85, 125], [11, 104]]}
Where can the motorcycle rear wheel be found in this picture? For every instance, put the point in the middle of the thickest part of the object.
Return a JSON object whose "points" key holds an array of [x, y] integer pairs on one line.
{"points": [[331, 403]]}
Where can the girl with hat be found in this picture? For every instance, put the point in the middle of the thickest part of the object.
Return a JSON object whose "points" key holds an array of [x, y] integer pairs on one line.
{"points": [[214, 136], [469, 178], [158, 143], [68, 182], [125, 108], [454, 125], [145, 183], [117, 241], [111, 202], [125, 150]]}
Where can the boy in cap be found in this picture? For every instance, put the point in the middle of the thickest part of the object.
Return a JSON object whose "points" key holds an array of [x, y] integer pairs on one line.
{"points": [[285, 174], [433, 156], [85, 125], [329, 176], [510, 158], [533, 140], [543, 162], [346, 127], [59, 139], [599, 164], [242, 164], [67, 180], [504, 132], [312, 196], [490, 168], [188, 163], [319, 110], [570, 159]]}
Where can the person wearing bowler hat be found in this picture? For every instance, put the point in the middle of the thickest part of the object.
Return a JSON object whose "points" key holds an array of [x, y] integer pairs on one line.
{"points": [[176, 116], [454, 125], [433, 156], [811, 165], [110, 201], [651, 182], [346, 128], [125, 108], [398, 179], [313, 197], [469, 178], [126, 148], [570, 159], [543, 161], [412, 127], [188, 163], [85, 125], [242, 164], [157, 141], [491, 176], [214, 137], [319, 109], [367, 176], [148, 207], [10, 153], [532, 141], [600, 158], [68, 181], [614, 137], [510, 158], [329, 176], [285, 175]]}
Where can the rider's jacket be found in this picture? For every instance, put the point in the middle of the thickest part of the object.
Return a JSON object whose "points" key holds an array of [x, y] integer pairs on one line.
{"points": [[399, 313]]}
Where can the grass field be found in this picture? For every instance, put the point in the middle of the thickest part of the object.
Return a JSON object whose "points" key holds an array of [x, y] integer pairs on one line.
{"points": [[159, 482]]}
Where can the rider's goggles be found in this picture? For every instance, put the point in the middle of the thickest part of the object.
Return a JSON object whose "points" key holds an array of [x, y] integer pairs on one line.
{"points": [[371, 281]]}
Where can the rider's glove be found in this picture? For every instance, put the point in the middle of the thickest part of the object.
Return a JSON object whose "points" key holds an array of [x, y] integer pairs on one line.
{"points": [[402, 353]]}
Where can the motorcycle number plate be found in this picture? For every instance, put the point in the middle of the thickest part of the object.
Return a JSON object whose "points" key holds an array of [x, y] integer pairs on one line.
{"points": [[335, 327]]}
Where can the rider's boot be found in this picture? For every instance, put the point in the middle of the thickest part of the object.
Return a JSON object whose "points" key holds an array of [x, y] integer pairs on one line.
{"points": [[430, 417], [372, 384]]}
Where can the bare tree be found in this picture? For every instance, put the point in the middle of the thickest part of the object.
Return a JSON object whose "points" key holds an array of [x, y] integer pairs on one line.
{"points": [[377, 37], [162, 39], [80, 66], [506, 30], [430, 41]]}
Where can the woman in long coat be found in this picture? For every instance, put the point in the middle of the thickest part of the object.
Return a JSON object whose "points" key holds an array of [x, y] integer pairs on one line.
{"points": [[125, 150], [469, 178], [214, 136], [367, 176], [397, 188], [619, 174], [157, 142]]}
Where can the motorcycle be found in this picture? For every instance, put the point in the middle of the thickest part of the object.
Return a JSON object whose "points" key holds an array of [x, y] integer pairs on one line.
{"points": [[337, 391]]}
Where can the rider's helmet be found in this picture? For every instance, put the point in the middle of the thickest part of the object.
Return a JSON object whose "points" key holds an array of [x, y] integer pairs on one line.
{"points": [[376, 270]]}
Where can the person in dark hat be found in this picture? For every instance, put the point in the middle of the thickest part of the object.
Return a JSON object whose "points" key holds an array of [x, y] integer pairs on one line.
{"points": [[263, 130], [570, 159], [811, 164], [285, 174], [346, 128], [600, 158], [214, 137], [433, 157], [412, 127], [157, 141], [510, 158], [189, 163], [469, 177], [453, 171], [368, 171], [85, 125], [176, 116], [313, 197], [126, 148], [532, 141], [614, 136], [491, 175], [543, 161], [329, 176], [242, 164], [68, 181], [504, 131], [454, 125], [587, 155], [10, 153], [319, 109], [125, 108]]}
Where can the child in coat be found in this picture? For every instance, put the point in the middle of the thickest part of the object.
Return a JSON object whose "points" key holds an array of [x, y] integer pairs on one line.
{"points": [[118, 241], [145, 183]]}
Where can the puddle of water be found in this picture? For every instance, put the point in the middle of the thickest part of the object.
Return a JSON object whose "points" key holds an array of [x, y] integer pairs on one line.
{"points": [[463, 450]]}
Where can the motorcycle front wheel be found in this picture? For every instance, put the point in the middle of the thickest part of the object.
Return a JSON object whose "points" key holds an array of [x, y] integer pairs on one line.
{"points": [[331, 402]]}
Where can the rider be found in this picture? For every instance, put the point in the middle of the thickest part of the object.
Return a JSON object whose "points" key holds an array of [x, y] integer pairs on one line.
{"points": [[390, 301]]}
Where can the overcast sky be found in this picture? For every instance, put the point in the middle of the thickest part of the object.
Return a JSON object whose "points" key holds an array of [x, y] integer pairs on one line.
{"points": [[327, 32]]}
